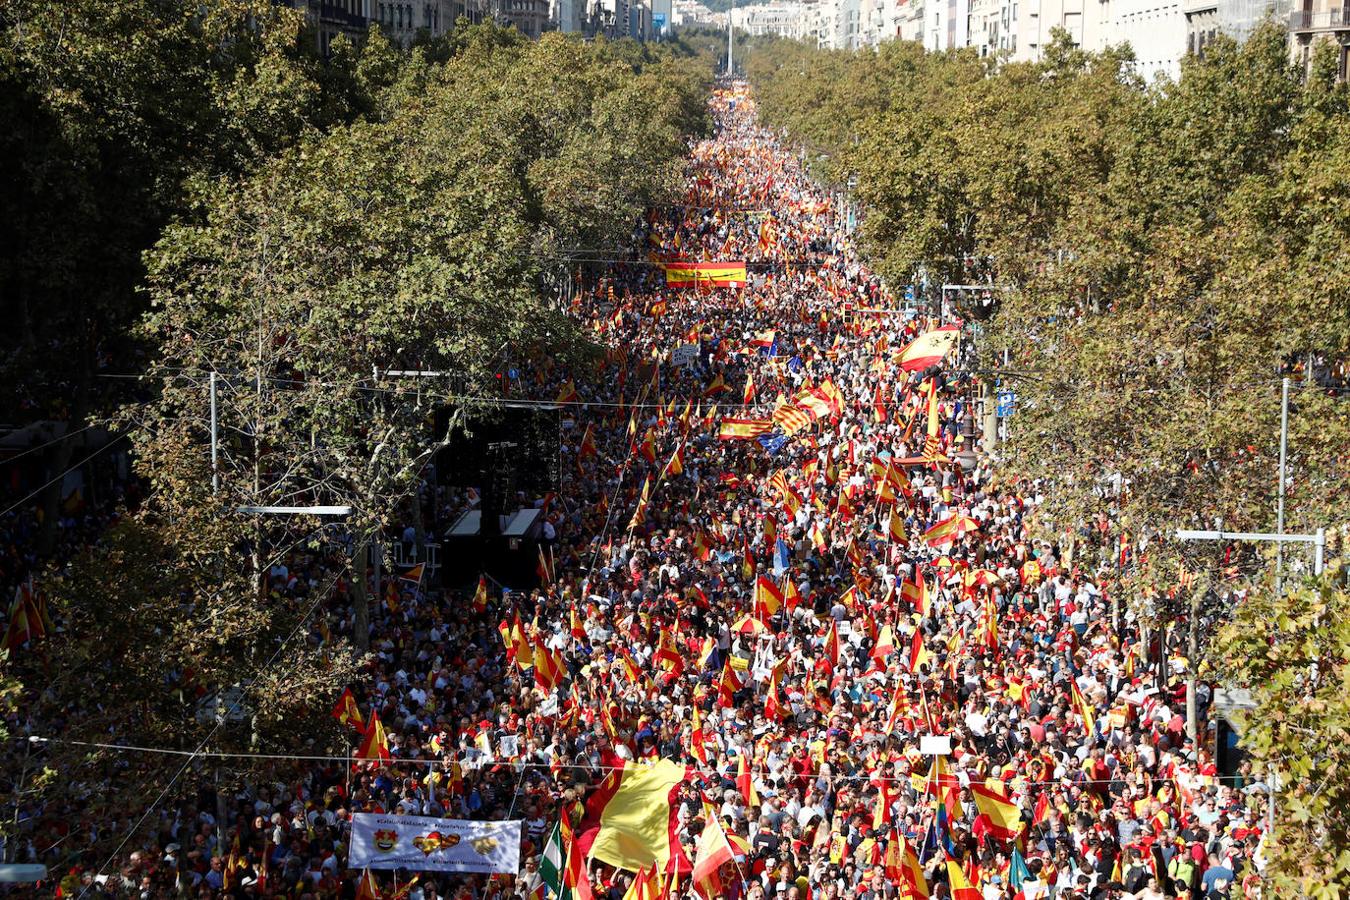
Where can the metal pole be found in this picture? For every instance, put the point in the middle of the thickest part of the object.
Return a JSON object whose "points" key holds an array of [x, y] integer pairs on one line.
{"points": [[1320, 551], [376, 557], [215, 441], [1270, 804], [1279, 503]]}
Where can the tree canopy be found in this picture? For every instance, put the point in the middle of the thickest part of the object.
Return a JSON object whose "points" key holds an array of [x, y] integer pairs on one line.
{"points": [[299, 227], [1161, 253]]}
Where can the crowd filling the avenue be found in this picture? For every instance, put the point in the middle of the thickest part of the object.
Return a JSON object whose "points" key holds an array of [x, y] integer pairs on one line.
{"points": [[782, 582]]}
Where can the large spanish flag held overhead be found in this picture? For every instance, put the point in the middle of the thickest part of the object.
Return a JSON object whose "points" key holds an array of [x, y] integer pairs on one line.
{"points": [[929, 348], [709, 274], [630, 820]]}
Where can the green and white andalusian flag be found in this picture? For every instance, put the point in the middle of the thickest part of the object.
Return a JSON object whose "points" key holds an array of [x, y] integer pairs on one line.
{"points": [[553, 862]]}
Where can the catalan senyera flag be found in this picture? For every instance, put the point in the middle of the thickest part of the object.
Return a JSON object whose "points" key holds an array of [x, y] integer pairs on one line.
{"points": [[347, 712], [929, 348], [743, 429], [1001, 814], [630, 820], [709, 274], [792, 419]]}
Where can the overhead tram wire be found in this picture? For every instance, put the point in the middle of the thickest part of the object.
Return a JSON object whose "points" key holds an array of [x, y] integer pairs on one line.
{"points": [[302, 757]]}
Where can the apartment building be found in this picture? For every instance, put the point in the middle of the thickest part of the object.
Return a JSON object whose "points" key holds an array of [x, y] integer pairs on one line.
{"points": [[1312, 22]]}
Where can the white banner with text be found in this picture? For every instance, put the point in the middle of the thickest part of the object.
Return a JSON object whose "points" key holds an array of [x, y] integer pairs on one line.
{"points": [[421, 843]]}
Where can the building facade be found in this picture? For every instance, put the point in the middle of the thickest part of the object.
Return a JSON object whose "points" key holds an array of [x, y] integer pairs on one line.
{"points": [[1315, 21]]}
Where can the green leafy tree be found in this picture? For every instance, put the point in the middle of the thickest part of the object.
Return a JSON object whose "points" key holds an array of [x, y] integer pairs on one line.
{"points": [[1291, 652]]}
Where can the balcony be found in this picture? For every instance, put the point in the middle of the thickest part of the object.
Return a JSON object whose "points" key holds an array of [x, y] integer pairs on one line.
{"points": [[336, 13], [1321, 20]]}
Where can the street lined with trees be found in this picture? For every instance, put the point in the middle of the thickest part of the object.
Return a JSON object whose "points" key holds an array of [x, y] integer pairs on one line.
{"points": [[1158, 258]]}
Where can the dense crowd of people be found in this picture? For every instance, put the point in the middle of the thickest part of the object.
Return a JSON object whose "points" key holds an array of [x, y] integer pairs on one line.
{"points": [[793, 614]]}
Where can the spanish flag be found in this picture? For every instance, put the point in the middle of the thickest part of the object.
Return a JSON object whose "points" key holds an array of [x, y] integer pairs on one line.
{"points": [[676, 464], [375, 744], [831, 647], [712, 852], [1083, 708], [717, 386], [705, 275], [898, 535], [347, 712], [902, 868], [549, 668], [587, 449], [366, 888], [697, 746], [745, 781], [929, 349], [743, 429], [943, 533], [918, 651], [916, 592], [646, 886], [568, 393], [961, 887], [767, 597], [630, 820], [1001, 814]]}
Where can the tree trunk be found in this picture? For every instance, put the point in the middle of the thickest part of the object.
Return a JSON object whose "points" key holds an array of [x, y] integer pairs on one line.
{"points": [[419, 524], [1161, 678], [1192, 663], [360, 596]]}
